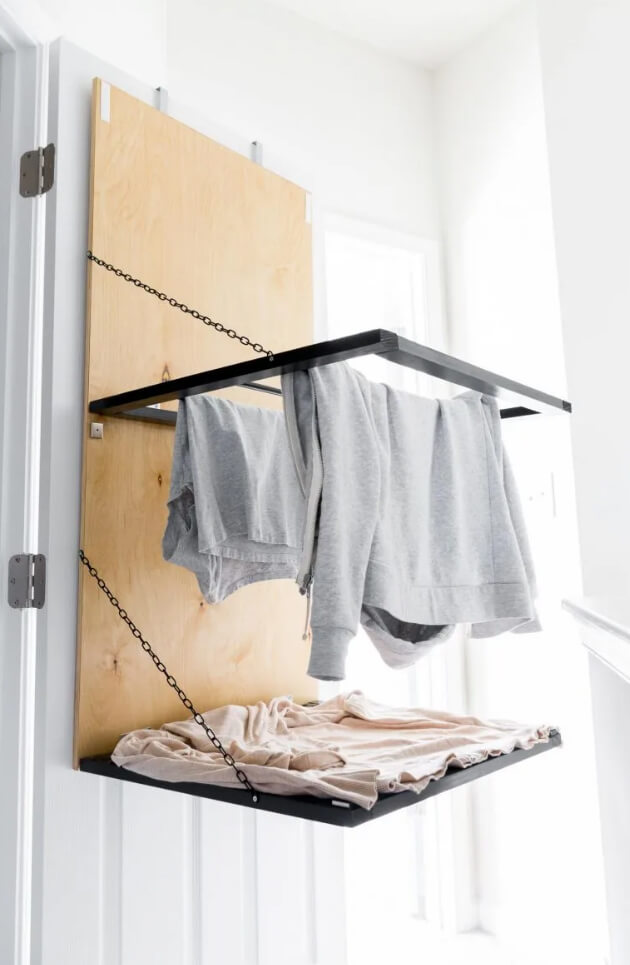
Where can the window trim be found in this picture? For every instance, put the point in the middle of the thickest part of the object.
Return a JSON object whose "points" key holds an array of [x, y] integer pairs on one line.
{"points": [[445, 827]]}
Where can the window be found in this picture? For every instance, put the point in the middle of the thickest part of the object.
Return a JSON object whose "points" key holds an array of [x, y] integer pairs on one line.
{"points": [[400, 873], [419, 878]]}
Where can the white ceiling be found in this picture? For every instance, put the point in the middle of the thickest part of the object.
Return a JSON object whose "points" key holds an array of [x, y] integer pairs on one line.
{"points": [[427, 32]]}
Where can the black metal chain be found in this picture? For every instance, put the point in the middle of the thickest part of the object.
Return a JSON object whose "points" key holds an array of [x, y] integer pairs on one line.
{"points": [[217, 326], [170, 679]]}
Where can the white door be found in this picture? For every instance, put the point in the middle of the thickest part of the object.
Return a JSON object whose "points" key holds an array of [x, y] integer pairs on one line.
{"points": [[93, 871]]}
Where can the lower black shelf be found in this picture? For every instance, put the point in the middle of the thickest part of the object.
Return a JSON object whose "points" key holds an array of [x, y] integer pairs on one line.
{"points": [[325, 811]]}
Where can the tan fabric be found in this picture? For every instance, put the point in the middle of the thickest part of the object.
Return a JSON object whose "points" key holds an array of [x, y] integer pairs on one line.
{"points": [[348, 748]]}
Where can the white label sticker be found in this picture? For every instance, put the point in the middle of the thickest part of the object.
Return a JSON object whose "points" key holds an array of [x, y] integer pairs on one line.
{"points": [[105, 102]]}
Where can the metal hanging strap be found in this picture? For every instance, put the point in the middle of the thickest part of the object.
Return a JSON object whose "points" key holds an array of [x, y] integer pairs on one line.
{"points": [[217, 326], [170, 679]]}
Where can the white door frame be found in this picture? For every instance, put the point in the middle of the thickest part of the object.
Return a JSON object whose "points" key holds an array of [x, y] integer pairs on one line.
{"points": [[24, 36]]}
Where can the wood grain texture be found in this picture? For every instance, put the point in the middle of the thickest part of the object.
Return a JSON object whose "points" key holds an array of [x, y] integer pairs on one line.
{"points": [[227, 237]]}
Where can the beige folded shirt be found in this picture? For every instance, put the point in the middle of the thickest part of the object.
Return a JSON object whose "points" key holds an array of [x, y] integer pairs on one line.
{"points": [[349, 747]]}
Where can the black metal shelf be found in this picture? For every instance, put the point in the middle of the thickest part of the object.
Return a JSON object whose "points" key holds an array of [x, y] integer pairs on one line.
{"points": [[341, 814], [514, 398]]}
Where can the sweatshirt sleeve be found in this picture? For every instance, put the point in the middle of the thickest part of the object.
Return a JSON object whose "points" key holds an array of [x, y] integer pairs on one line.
{"points": [[347, 517], [532, 625], [513, 545]]}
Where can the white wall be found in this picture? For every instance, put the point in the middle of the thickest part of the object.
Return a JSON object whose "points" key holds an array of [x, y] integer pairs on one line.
{"points": [[502, 292], [504, 313], [586, 77], [586, 74], [352, 123], [129, 34], [357, 123]]}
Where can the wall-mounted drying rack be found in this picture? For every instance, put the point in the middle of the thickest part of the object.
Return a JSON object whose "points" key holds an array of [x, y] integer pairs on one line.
{"points": [[515, 399], [251, 260]]}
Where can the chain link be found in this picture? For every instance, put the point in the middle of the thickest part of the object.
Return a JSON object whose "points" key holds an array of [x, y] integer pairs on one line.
{"points": [[170, 679], [217, 326]]}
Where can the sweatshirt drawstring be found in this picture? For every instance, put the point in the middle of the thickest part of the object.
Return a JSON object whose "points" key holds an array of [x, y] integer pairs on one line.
{"points": [[307, 623]]}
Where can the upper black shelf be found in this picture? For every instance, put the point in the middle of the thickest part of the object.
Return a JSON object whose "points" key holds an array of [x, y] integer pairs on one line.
{"points": [[514, 398]]}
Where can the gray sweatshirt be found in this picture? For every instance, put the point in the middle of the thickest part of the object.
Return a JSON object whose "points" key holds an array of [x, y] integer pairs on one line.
{"points": [[413, 522], [236, 512]]}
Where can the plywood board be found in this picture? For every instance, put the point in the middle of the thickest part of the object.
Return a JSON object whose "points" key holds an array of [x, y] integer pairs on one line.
{"points": [[225, 236]]}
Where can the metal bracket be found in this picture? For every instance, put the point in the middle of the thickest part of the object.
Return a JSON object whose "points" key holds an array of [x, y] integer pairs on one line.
{"points": [[37, 171], [27, 581], [162, 105]]}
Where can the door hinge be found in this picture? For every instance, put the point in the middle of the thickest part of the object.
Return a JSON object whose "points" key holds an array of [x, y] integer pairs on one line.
{"points": [[37, 171], [27, 581]]}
